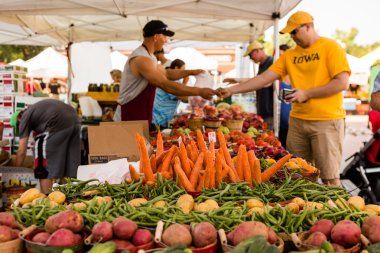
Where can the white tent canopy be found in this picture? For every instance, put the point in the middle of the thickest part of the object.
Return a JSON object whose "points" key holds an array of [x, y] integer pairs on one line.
{"points": [[359, 70], [18, 62], [193, 58], [118, 60], [371, 58], [108, 20], [49, 63]]}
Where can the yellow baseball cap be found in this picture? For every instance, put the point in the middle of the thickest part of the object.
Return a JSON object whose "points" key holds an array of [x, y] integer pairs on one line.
{"points": [[254, 45], [297, 19]]}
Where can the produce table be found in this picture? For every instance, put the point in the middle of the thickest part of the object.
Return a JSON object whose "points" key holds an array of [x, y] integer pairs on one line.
{"points": [[238, 194]]}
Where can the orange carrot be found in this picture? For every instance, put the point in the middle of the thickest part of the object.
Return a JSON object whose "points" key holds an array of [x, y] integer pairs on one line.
{"points": [[223, 147], [239, 162], [166, 175], [218, 169], [189, 151], [160, 157], [184, 159], [167, 160], [212, 149], [201, 141], [160, 144], [268, 173], [159, 169], [194, 151], [255, 170], [191, 164], [134, 175], [144, 159], [201, 181], [231, 174], [245, 166], [210, 171], [153, 163], [170, 171], [197, 168], [182, 176], [212, 175]]}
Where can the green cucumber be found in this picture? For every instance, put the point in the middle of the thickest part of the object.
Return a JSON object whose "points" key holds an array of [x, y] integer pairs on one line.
{"points": [[107, 247], [374, 248], [271, 249]]}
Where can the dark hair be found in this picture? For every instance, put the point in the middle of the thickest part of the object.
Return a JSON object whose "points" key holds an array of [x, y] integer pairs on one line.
{"points": [[284, 47], [177, 63]]}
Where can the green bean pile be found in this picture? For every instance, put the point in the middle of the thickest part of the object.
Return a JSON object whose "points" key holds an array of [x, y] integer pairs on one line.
{"points": [[231, 198], [281, 219], [272, 193]]}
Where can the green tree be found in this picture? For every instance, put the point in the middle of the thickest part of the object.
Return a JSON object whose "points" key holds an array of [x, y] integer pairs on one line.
{"points": [[352, 48], [9, 53]]}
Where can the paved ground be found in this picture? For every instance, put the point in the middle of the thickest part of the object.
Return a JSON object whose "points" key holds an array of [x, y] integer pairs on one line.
{"points": [[357, 132]]}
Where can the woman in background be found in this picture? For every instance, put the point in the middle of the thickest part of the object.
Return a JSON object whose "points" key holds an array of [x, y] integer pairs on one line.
{"points": [[165, 104], [116, 76]]}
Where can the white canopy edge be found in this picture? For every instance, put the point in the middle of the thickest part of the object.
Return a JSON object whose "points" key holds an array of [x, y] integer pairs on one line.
{"points": [[64, 21]]}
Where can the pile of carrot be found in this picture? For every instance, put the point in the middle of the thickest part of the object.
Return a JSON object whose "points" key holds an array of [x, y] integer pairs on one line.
{"points": [[197, 166]]}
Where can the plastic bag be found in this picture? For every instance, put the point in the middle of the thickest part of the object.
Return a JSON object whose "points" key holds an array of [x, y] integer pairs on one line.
{"points": [[203, 80]]}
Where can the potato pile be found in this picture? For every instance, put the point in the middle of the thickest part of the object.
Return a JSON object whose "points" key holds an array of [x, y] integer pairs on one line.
{"points": [[123, 232], [9, 228], [61, 229], [196, 235], [344, 234], [33, 196], [250, 229]]}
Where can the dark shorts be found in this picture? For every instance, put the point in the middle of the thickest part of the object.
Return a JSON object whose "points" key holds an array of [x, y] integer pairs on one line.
{"points": [[57, 154]]}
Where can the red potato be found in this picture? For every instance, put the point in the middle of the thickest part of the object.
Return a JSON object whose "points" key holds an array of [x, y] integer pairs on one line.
{"points": [[15, 233], [346, 233], [78, 239], [66, 219], [272, 236], [41, 237], [187, 226], [123, 228], [249, 229], [371, 228], [316, 239], [102, 231], [5, 234], [141, 237], [60, 238], [123, 244], [337, 248], [176, 234], [7, 219], [203, 234], [230, 236], [325, 226]]}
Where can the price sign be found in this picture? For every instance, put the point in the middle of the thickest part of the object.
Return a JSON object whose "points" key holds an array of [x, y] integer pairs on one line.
{"points": [[211, 137]]}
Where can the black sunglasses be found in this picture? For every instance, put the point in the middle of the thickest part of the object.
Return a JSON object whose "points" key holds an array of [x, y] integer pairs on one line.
{"points": [[295, 31]]}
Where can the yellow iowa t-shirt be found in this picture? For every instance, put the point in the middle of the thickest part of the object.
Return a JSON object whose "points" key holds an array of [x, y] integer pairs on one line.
{"points": [[314, 67]]}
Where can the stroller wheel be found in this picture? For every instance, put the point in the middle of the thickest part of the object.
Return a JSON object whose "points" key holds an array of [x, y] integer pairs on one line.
{"points": [[368, 196]]}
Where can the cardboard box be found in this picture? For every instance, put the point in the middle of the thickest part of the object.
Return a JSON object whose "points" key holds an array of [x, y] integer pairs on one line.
{"points": [[16, 180], [116, 140], [140, 123]]}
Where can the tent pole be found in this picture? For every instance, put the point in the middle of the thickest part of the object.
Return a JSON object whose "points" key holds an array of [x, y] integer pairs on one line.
{"points": [[276, 102], [69, 65], [69, 72]]}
